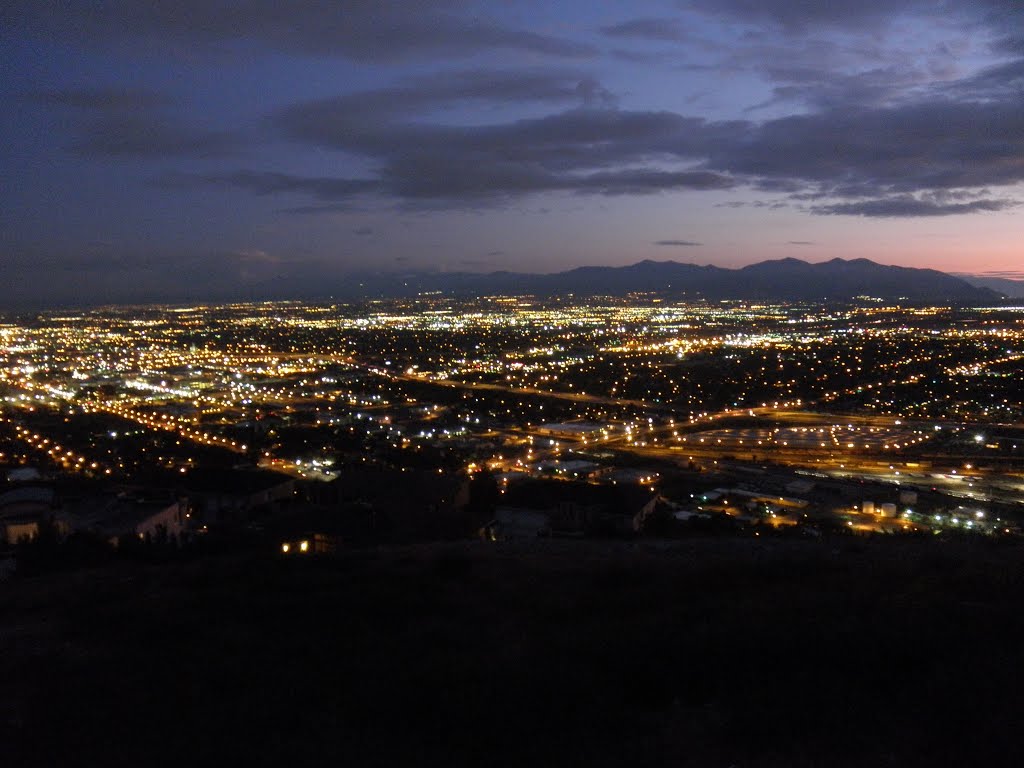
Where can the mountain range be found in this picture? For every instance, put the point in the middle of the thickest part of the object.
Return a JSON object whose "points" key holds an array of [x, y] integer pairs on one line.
{"points": [[1011, 288], [784, 279]]}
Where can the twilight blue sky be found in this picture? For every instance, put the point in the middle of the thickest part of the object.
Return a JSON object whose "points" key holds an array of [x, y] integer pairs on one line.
{"points": [[198, 148]]}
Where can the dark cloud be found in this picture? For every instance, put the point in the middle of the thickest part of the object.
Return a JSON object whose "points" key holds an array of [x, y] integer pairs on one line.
{"points": [[643, 181], [679, 243], [147, 136], [309, 210], [639, 57], [384, 30], [801, 242], [854, 152], [857, 150], [824, 88], [363, 231], [478, 185], [1000, 83], [592, 94], [267, 183], [365, 110], [778, 205], [656, 29], [802, 15], [837, 55], [122, 122], [791, 186], [904, 206], [934, 145], [1012, 44], [603, 150], [102, 99]]}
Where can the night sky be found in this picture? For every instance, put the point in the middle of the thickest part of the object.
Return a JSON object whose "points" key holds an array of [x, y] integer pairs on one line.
{"points": [[203, 148]]}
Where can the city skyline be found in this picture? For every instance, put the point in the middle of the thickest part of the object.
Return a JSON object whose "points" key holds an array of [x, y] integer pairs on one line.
{"points": [[159, 152]]}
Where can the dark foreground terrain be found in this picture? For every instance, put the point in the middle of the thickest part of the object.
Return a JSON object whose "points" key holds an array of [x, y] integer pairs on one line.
{"points": [[707, 653]]}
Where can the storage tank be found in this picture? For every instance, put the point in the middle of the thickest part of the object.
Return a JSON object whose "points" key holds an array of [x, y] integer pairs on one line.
{"points": [[908, 497], [888, 510], [867, 507]]}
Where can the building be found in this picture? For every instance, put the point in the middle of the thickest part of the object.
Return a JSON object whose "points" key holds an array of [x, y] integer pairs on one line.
{"points": [[23, 510], [517, 524], [401, 504], [584, 509]]}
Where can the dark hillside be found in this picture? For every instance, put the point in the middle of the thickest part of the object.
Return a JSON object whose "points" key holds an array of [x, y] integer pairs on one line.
{"points": [[704, 652]]}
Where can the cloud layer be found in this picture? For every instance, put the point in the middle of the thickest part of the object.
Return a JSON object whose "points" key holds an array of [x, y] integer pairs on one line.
{"points": [[111, 122], [868, 141], [359, 134], [367, 31], [845, 159]]}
